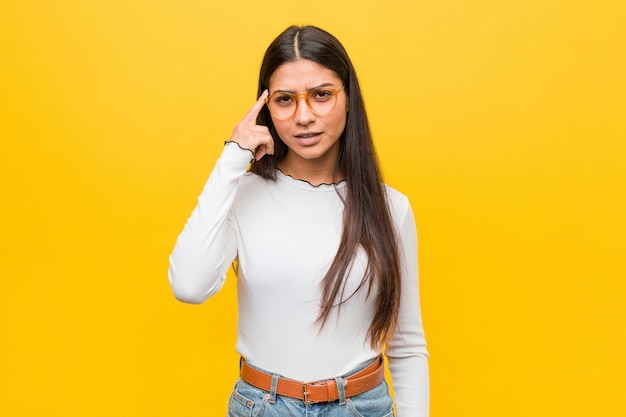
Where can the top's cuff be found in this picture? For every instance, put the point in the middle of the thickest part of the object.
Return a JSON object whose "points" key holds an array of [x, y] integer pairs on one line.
{"points": [[239, 146]]}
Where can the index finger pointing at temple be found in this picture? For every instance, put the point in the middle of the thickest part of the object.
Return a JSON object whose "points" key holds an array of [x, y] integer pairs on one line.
{"points": [[252, 114]]}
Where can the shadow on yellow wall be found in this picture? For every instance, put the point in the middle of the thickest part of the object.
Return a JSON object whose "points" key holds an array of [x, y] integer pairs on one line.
{"points": [[503, 122]]}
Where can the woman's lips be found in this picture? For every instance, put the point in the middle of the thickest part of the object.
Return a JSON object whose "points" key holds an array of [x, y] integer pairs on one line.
{"points": [[308, 138]]}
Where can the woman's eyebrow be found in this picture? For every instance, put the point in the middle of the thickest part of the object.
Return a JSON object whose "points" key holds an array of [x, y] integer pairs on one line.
{"points": [[310, 89]]}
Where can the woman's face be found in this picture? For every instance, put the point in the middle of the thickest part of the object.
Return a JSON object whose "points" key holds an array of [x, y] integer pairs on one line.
{"points": [[309, 136]]}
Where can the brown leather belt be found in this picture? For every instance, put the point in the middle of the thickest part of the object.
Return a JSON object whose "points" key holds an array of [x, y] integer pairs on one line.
{"points": [[320, 391]]}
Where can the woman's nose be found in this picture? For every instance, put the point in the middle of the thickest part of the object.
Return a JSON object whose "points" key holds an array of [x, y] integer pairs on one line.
{"points": [[304, 115]]}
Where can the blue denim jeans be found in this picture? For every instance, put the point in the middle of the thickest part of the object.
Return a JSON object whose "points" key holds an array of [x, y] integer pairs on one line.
{"points": [[249, 401]]}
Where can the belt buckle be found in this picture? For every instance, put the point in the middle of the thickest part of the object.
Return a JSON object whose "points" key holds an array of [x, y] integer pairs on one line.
{"points": [[305, 395]]}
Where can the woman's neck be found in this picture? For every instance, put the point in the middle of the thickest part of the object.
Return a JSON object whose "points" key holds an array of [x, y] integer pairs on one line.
{"points": [[314, 171]]}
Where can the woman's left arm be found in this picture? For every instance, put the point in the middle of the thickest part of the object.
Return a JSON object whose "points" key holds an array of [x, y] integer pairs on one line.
{"points": [[406, 352]]}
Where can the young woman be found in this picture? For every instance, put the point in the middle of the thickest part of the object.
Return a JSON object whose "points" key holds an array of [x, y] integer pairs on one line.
{"points": [[325, 253]]}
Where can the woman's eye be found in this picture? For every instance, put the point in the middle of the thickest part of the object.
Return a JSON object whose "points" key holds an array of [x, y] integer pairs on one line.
{"points": [[283, 99], [321, 95]]}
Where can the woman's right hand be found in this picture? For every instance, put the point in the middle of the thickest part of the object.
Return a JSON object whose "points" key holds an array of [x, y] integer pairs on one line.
{"points": [[249, 135]]}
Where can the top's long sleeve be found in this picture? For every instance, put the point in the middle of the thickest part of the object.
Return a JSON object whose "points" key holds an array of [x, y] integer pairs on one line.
{"points": [[407, 354], [207, 245]]}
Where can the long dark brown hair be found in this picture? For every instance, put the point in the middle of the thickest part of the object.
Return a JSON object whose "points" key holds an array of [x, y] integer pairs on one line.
{"points": [[367, 221]]}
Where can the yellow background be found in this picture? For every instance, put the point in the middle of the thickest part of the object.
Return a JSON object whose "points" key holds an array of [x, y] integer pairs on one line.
{"points": [[502, 120]]}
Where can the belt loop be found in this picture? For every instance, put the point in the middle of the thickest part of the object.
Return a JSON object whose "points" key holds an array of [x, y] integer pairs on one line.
{"points": [[341, 385], [274, 388]]}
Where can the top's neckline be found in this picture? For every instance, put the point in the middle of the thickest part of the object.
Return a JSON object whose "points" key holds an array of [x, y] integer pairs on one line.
{"points": [[306, 184]]}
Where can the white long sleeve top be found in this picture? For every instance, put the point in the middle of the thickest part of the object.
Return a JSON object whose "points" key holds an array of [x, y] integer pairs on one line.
{"points": [[284, 235]]}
